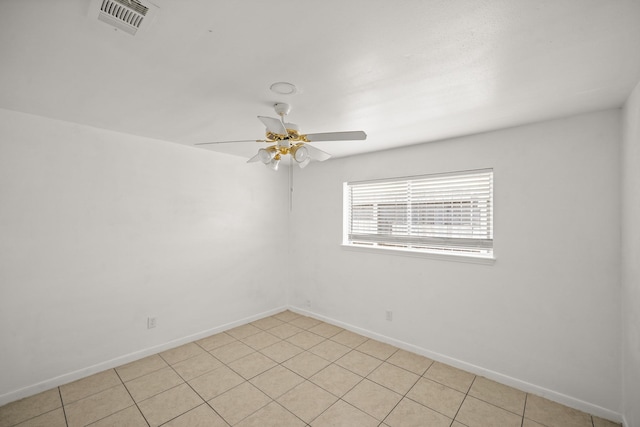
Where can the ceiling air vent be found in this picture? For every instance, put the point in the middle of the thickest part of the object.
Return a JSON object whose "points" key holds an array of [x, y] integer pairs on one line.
{"points": [[126, 15]]}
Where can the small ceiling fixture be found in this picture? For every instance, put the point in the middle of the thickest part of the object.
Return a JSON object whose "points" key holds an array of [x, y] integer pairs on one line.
{"points": [[284, 88], [288, 140]]}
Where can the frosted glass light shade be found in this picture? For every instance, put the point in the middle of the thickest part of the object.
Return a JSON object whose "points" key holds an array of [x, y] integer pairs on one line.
{"points": [[265, 156], [301, 154], [273, 164]]}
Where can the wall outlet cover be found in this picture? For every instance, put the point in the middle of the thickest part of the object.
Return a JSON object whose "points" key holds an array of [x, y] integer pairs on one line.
{"points": [[151, 322]]}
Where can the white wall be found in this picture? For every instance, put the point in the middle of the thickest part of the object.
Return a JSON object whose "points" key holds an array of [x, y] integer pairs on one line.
{"points": [[100, 230], [631, 259], [546, 315]]}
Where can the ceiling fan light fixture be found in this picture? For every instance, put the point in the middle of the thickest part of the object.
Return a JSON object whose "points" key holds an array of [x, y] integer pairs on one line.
{"points": [[300, 153], [274, 163], [266, 156]]}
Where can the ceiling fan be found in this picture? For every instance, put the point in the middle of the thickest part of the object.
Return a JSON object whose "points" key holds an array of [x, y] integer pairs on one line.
{"points": [[287, 140]]}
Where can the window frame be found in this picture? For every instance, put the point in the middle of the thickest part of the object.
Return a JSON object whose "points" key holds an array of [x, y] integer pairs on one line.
{"points": [[474, 249]]}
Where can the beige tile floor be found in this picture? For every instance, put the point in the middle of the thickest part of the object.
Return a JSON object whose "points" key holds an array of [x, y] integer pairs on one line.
{"points": [[289, 370]]}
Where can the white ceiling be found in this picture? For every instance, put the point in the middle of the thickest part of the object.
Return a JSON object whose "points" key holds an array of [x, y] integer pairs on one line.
{"points": [[406, 72]]}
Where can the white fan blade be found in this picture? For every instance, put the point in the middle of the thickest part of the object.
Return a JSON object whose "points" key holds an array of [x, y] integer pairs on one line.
{"points": [[229, 142], [317, 154], [356, 135], [274, 125], [255, 158]]}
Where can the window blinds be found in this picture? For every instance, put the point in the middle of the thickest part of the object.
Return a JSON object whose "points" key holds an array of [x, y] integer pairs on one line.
{"points": [[444, 213]]}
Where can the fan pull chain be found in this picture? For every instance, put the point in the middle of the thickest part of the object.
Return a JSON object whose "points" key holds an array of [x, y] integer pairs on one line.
{"points": [[290, 184]]}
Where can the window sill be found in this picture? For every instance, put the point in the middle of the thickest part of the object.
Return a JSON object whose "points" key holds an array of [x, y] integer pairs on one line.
{"points": [[415, 254]]}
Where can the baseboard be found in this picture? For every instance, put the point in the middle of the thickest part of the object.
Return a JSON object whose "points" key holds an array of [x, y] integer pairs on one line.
{"points": [[477, 370], [127, 358]]}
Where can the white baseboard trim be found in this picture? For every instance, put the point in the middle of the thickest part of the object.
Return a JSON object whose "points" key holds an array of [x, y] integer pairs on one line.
{"points": [[127, 358], [477, 370]]}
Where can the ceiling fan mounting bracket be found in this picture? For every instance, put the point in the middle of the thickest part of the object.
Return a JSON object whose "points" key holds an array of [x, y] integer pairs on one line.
{"points": [[282, 109]]}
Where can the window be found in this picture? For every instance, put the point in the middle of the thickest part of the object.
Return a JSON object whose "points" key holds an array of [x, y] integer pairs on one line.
{"points": [[445, 213]]}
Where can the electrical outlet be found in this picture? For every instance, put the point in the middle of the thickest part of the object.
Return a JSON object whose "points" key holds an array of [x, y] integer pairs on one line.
{"points": [[151, 322], [308, 303], [389, 315]]}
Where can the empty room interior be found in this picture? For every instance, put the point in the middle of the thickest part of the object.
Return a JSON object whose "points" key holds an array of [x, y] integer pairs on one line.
{"points": [[337, 213]]}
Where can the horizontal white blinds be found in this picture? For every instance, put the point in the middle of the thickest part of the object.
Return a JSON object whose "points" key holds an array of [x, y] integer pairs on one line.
{"points": [[445, 212]]}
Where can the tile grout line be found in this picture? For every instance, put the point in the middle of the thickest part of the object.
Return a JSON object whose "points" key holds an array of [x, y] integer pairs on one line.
{"points": [[169, 365], [465, 398], [90, 394], [249, 380], [134, 400], [497, 406], [481, 399], [64, 412], [444, 385], [283, 407], [405, 393], [43, 413], [94, 394], [144, 375], [367, 378], [305, 379], [340, 398], [204, 402], [524, 410], [309, 379], [352, 349]]}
